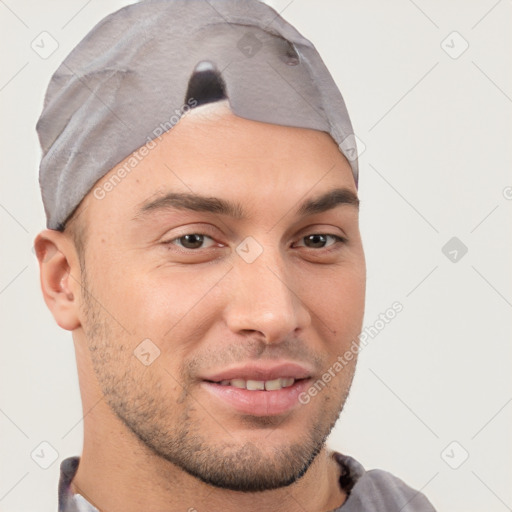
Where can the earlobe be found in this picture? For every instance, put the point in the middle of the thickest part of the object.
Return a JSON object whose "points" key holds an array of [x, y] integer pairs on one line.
{"points": [[60, 277]]}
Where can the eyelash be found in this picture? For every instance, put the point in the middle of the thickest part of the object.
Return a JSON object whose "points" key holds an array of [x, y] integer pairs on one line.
{"points": [[337, 240]]}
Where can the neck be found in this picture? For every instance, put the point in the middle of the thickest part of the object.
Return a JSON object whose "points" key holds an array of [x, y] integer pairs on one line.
{"points": [[115, 478]]}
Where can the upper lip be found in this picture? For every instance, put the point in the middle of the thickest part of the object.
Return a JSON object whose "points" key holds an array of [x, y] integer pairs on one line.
{"points": [[261, 371]]}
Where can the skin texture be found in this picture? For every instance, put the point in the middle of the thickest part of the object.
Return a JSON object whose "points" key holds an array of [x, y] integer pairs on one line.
{"points": [[154, 437]]}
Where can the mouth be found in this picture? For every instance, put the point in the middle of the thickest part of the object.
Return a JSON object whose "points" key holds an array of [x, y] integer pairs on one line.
{"points": [[258, 390], [259, 385]]}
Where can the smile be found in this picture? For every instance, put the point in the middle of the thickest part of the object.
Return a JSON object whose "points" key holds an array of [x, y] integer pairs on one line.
{"points": [[260, 385]]}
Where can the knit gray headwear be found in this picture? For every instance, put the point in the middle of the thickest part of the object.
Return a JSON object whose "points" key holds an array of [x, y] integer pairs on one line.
{"points": [[140, 68]]}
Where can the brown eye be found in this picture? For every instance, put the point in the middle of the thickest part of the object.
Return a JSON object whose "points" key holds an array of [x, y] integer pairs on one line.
{"points": [[315, 241], [320, 240], [192, 241]]}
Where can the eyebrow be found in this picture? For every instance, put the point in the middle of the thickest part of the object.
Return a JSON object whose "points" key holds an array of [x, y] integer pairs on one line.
{"points": [[328, 201], [199, 203]]}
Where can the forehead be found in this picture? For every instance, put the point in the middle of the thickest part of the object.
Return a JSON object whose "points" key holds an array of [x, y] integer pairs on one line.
{"points": [[213, 152]]}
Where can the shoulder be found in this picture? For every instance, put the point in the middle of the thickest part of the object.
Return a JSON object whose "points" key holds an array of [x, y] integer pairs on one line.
{"points": [[380, 491]]}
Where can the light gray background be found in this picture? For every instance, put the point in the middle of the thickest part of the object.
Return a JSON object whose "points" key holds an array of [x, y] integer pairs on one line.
{"points": [[437, 132]]}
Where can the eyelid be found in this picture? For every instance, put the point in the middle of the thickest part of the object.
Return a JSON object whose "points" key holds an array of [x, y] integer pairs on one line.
{"points": [[322, 228], [191, 229], [338, 239], [172, 241], [211, 231], [325, 225]]}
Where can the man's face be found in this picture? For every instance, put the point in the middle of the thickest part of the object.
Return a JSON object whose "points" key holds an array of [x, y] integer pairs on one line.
{"points": [[267, 292]]}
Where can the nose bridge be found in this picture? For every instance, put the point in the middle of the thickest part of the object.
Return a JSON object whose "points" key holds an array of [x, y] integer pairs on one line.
{"points": [[264, 299]]}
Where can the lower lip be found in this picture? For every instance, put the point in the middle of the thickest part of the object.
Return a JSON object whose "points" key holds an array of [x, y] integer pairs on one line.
{"points": [[259, 403]]}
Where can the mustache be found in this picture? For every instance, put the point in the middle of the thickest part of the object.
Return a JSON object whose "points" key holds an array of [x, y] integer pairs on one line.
{"points": [[253, 350]]}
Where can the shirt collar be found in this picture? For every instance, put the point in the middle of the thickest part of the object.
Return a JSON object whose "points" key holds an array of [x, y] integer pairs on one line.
{"points": [[350, 472]]}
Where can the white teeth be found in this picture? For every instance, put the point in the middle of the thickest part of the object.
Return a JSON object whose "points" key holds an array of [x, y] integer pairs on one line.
{"points": [[260, 385], [273, 384], [238, 383], [255, 385], [286, 383]]}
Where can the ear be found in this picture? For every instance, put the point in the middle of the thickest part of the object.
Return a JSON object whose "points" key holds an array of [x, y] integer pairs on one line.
{"points": [[60, 276]]}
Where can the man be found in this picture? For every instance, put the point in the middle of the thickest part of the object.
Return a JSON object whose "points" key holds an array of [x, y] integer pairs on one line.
{"points": [[200, 186]]}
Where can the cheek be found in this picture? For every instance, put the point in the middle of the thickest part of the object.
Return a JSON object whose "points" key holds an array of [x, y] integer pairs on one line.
{"points": [[166, 304], [173, 302], [337, 297]]}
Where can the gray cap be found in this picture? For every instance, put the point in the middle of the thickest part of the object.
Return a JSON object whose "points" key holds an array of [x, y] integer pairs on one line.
{"points": [[140, 68]]}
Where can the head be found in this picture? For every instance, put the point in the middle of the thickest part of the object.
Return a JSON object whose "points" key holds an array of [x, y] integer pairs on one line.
{"points": [[157, 267], [223, 255]]}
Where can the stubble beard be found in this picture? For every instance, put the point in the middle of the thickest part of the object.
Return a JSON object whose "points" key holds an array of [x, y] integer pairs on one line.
{"points": [[138, 400]]}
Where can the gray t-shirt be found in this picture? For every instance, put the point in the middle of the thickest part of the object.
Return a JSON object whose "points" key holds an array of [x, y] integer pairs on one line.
{"points": [[367, 491]]}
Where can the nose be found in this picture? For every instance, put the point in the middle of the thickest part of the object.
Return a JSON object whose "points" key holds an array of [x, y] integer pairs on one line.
{"points": [[265, 300]]}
